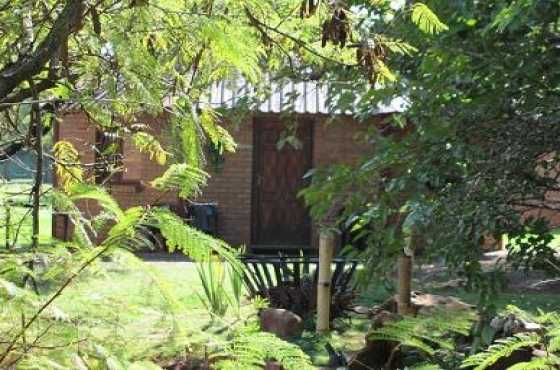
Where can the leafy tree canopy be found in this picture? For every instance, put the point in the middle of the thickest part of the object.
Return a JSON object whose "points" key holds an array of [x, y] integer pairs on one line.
{"points": [[478, 144]]}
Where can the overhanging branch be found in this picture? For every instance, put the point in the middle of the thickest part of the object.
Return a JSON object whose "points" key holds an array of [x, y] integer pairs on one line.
{"points": [[69, 21]]}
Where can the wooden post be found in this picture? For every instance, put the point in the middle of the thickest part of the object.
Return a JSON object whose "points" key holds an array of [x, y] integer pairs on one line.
{"points": [[404, 304], [326, 250], [405, 280]]}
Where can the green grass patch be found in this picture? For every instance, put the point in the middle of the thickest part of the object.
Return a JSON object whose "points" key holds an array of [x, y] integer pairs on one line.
{"points": [[15, 214], [146, 310]]}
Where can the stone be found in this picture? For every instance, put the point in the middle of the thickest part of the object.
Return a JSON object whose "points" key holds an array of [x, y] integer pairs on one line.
{"points": [[376, 352], [273, 365], [532, 327], [428, 303], [546, 286], [283, 323]]}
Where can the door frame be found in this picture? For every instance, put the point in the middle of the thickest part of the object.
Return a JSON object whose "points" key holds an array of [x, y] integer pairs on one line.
{"points": [[255, 219]]}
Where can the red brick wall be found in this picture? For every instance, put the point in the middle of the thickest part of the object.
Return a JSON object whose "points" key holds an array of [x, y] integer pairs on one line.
{"points": [[74, 128], [230, 187], [338, 141], [335, 141]]}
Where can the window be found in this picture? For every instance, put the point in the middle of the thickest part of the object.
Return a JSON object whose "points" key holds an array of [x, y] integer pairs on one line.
{"points": [[108, 156]]}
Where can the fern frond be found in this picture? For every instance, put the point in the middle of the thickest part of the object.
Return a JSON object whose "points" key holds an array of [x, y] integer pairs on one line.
{"points": [[63, 203], [554, 341], [397, 46], [250, 350], [191, 135], [218, 135], [539, 363], [190, 241], [93, 192], [426, 20], [502, 348], [124, 234], [509, 13], [146, 143], [426, 367], [67, 164], [400, 335], [425, 333], [383, 72], [188, 180], [234, 47]]}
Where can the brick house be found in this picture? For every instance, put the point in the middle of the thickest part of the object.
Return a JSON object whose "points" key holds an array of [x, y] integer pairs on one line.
{"points": [[255, 188]]}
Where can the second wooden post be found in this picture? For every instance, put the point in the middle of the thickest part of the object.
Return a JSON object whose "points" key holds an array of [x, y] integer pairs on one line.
{"points": [[326, 250]]}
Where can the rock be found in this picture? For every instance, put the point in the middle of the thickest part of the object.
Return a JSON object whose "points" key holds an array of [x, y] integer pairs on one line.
{"points": [[497, 323], [427, 303], [546, 286], [373, 356], [450, 284], [532, 327], [376, 352], [361, 310], [283, 323], [380, 317], [273, 365], [506, 326]]}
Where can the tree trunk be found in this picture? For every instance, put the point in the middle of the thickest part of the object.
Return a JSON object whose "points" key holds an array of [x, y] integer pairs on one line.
{"points": [[326, 249], [37, 186], [37, 132]]}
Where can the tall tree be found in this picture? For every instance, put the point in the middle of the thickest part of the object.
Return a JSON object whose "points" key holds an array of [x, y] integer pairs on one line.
{"points": [[481, 147]]}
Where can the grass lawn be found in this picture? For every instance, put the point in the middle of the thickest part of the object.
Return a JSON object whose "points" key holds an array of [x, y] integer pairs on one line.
{"points": [[147, 309], [152, 310], [15, 204]]}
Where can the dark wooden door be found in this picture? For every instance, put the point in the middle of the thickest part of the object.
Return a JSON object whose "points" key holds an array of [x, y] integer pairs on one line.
{"points": [[279, 216]]}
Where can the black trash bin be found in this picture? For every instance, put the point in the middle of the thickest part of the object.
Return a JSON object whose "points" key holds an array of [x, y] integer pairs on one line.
{"points": [[204, 217]]}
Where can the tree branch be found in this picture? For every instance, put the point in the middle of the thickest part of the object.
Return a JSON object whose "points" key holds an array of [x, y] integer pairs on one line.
{"points": [[69, 21]]}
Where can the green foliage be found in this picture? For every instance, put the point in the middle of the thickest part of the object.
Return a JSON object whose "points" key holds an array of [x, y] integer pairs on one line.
{"points": [[426, 333], [216, 277], [67, 165], [502, 348], [546, 340], [99, 194], [474, 150], [248, 349], [190, 241], [508, 14], [184, 178], [426, 20], [48, 335], [537, 364], [236, 284], [146, 143], [219, 137]]}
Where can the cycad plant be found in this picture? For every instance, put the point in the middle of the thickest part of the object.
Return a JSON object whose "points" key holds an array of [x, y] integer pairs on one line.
{"points": [[236, 284], [215, 278], [212, 277]]}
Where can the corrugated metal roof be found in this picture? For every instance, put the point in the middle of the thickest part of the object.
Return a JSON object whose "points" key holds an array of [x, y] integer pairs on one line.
{"points": [[301, 97]]}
